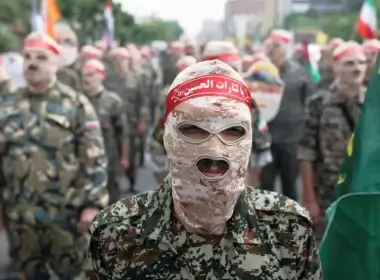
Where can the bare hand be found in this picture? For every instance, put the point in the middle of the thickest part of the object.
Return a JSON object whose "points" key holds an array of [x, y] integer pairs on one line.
{"points": [[315, 211], [124, 164], [86, 218]]}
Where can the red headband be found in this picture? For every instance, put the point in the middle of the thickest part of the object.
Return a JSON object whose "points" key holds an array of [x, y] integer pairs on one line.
{"points": [[94, 68], [348, 52], [225, 57], [279, 37], [371, 49], [39, 43], [209, 85]]}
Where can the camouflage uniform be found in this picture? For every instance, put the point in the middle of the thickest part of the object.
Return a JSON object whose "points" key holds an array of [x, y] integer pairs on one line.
{"points": [[54, 165], [109, 108], [268, 237], [130, 90], [145, 77], [155, 150], [6, 87], [325, 133], [70, 76]]}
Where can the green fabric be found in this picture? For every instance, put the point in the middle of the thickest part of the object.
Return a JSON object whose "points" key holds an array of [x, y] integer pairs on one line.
{"points": [[314, 73], [350, 249]]}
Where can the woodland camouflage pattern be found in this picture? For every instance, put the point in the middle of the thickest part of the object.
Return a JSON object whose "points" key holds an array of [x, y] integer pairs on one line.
{"points": [[324, 137], [7, 87], [269, 237], [54, 165]]}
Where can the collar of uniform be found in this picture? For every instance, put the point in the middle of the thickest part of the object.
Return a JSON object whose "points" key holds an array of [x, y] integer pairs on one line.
{"points": [[338, 97], [52, 91], [157, 223]]}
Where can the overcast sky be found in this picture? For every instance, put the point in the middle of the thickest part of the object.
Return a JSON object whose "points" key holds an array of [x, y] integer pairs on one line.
{"points": [[189, 13]]}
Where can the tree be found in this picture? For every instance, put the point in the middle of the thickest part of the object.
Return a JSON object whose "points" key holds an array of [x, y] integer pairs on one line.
{"points": [[334, 24], [157, 29]]}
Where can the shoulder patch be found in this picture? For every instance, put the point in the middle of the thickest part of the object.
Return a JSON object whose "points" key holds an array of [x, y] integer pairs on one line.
{"points": [[271, 201]]}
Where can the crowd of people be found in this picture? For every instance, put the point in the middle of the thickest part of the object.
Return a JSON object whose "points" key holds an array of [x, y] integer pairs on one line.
{"points": [[193, 116]]}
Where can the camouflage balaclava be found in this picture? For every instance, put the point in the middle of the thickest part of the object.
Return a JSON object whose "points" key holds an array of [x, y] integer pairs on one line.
{"points": [[208, 139], [41, 59]]}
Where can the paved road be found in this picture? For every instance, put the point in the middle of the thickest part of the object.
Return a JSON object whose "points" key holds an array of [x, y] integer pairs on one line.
{"points": [[145, 182]]}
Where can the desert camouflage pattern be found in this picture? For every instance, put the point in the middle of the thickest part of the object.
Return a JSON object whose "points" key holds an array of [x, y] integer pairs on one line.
{"points": [[268, 237], [207, 205], [325, 134], [54, 164]]}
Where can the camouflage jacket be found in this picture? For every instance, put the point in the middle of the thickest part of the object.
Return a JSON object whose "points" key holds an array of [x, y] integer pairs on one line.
{"points": [[53, 154], [268, 237], [70, 77], [325, 133], [7, 87], [113, 120], [130, 90]]}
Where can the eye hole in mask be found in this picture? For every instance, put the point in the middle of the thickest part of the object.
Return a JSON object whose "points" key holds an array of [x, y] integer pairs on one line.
{"points": [[195, 133]]}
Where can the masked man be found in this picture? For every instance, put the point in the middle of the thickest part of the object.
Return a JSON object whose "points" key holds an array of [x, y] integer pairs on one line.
{"points": [[285, 126], [203, 222], [326, 129], [110, 110], [54, 167], [127, 86], [68, 73], [261, 154], [371, 49], [156, 157], [326, 62]]}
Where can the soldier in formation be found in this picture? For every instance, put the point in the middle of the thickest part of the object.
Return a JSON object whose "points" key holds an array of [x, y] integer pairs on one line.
{"points": [[128, 85], [327, 126], [261, 155], [203, 222], [156, 156], [110, 110], [53, 165]]}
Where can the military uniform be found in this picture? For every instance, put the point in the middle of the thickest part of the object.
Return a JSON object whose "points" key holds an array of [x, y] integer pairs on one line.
{"points": [[261, 139], [69, 76], [109, 108], [6, 87], [268, 237], [325, 133], [129, 89], [54, 165], [156, 156]]}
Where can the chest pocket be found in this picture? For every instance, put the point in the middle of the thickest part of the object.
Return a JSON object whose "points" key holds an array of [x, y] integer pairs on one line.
{"points": [[53, 131]]}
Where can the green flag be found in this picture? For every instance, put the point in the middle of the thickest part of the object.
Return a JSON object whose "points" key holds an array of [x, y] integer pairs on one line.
{"points": [[310, 65], [350, 249]]}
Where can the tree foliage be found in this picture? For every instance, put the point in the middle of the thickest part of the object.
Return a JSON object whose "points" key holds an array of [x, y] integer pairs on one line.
{"points": [[87, 19], [334, 24]]}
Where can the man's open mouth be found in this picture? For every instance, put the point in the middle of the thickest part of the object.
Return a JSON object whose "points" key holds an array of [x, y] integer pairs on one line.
{"points": [[213, 168]]}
